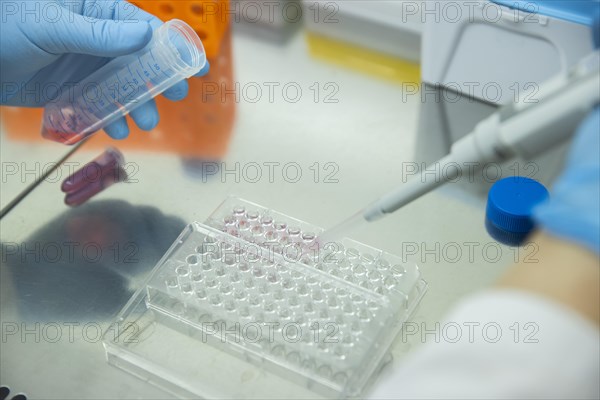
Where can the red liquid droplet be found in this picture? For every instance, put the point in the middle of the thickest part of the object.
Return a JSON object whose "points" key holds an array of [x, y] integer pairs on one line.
{"points": [[62, 137]]}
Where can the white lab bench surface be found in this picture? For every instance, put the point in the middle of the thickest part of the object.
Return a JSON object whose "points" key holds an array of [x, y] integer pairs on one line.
{"points": [[50, 314]]}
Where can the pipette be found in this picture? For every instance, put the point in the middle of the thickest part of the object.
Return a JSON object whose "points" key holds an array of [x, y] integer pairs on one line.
{"points": [[524, 128]]}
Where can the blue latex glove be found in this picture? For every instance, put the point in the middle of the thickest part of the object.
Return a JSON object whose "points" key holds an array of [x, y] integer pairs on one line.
{"points": [[47, 43], [573, 210]]}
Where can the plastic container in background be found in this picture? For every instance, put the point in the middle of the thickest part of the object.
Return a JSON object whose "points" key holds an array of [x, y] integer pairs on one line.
{"points": [[377, 38], [175, 53], [209, 18]]}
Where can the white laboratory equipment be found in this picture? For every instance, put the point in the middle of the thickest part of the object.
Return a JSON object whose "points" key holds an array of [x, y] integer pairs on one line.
{"points": [[478, 56]]}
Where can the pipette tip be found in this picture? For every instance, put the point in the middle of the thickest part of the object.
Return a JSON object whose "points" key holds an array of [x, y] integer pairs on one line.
{"points": [[342, 229]]}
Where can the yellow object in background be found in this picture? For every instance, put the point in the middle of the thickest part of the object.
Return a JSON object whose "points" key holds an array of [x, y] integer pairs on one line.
{"points": [[364, 60]]}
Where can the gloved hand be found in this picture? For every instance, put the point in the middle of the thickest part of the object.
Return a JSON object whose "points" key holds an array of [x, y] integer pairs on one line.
{"points": [[47, 43], [573, 210]]}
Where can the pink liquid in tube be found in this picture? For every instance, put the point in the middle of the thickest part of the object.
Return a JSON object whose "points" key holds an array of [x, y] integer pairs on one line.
{"points": [[97, 175]]}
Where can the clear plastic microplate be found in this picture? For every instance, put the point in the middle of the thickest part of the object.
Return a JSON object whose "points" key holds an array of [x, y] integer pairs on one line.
{"points": [[250, 305]]}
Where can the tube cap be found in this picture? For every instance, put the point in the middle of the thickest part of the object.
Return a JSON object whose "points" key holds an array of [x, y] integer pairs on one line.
{"points": [[509, 208]]}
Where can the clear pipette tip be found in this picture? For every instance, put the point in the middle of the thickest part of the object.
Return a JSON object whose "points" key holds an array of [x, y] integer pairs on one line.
{"points": [[342, 229]]}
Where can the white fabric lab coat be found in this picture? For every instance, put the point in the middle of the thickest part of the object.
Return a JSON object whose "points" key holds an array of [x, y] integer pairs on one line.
{"points": [[557, 355]]}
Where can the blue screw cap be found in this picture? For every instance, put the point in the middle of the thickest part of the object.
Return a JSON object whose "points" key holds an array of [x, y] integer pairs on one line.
{"points": [[509, 208]]}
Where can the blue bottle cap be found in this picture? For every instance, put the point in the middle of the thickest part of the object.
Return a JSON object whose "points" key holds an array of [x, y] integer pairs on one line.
{"points": [[509, 208]]}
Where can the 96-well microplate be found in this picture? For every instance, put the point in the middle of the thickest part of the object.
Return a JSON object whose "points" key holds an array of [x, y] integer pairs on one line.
{"points": [[256, 285]]}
